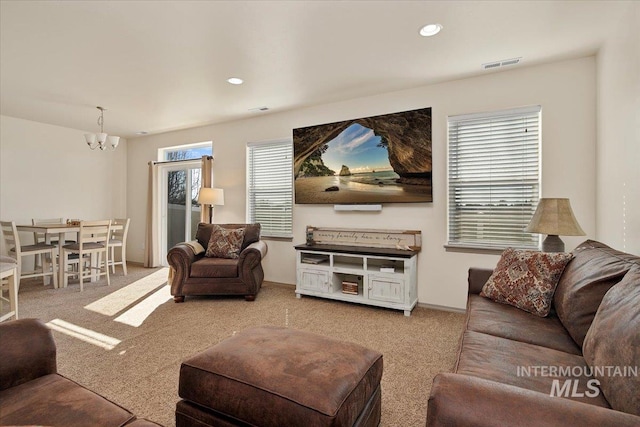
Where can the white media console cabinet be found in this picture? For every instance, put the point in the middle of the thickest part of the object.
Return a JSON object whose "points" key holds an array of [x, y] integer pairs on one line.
{"points": [[385, 277]]}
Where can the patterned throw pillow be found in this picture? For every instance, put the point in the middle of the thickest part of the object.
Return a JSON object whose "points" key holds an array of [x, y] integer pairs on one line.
{"points": [[225, 242], [526, 279]]}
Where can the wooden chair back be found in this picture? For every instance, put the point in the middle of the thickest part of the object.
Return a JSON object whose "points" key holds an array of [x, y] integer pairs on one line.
{"points": [[121, 235], [94, 232], [40, 237], [11, 238]]}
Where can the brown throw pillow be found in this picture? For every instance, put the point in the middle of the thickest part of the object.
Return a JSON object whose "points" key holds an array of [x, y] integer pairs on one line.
{"points": [[526, 279], [224, 242]]}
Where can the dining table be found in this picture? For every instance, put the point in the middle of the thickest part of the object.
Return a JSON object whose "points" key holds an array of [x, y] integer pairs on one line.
{"points": [[60, 230]]}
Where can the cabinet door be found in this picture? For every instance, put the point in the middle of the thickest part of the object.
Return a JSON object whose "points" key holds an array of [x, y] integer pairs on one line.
{"points": [[314, 280], [383, 288]]}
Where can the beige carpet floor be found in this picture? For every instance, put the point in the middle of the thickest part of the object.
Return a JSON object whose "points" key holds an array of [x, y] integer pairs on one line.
{"points": [[104, 349]]}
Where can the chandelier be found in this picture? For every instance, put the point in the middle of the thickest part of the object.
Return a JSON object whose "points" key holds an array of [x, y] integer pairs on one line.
{"points": [[100, 140]]}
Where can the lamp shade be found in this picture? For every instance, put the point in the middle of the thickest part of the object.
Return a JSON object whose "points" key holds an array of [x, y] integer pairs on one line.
{"points": [[113, 141], [91, 138], [211, 196], [554, 217]]}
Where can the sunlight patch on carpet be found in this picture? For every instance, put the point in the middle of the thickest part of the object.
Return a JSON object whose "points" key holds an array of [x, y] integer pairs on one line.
{"points": [[136, 315], [117, 301], [86, 335]]}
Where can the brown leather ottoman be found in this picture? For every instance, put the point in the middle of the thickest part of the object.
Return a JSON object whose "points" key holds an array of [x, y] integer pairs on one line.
{"points": [[272, 376]]}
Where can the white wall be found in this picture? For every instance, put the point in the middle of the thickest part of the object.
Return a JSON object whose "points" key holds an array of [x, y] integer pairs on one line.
{"points": [[618, 154], [565, 90], [49, 172]]}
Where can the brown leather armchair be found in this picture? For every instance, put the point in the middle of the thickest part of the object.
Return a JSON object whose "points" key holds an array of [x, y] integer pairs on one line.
{"points": [[195, 274]]}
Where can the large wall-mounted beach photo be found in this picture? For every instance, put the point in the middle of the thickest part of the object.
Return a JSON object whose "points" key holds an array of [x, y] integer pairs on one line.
{"points": [[379, 159]]}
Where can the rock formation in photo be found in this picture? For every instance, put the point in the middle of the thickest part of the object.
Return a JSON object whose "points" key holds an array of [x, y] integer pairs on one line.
{"points": [[405, 135], [345, 171], [313, 165]]}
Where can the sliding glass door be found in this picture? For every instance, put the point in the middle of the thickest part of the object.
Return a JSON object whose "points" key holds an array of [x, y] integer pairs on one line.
{"points": [[180, 208]]}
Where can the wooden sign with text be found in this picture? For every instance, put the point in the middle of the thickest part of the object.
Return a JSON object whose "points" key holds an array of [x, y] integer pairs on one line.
{"points": [[410, 240]]}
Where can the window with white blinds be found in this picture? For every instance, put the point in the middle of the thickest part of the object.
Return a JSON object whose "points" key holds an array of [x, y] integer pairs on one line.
{"points": [[270, 182], [494, 178]]}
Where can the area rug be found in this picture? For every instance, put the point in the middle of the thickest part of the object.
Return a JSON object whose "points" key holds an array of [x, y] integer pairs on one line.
{"points": [[126, 341]]}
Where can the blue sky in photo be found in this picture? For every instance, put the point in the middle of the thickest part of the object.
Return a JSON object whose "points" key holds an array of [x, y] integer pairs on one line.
{"points": [[357, 148]]}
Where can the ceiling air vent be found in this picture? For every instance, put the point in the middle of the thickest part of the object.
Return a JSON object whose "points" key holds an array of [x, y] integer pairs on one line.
{"points": [[502, 63]]}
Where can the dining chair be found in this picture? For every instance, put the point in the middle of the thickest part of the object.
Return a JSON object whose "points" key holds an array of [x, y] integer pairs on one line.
{"points": [[92, 246], [44, 238], [16, 251], [40, 237], [119, 239], [9, 282]]}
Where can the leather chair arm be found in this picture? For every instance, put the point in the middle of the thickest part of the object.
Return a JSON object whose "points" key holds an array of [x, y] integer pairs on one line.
{"points": [[180, 258], [461, 400], [254, 252], [477, 278], [27, 352], [250, 265]]}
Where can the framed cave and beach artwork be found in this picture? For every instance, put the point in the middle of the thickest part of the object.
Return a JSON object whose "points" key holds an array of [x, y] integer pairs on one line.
{"points": [[379, 159]]}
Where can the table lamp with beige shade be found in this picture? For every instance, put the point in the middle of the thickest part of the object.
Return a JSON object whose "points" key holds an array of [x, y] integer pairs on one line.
{"points": [[554, 218], [212, 197]]}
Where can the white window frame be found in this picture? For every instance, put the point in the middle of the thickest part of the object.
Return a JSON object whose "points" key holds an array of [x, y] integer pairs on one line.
{"points": [[490, 203], [282, 174], [162, 151]]}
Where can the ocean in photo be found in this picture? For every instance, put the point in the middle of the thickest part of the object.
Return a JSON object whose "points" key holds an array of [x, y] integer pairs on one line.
{"points": [[380, 178], [369, 187]]}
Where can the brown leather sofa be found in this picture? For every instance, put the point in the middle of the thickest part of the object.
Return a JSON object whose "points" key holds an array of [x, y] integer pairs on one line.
{"points": [[33, 393], [573, 367], [195, 274]]}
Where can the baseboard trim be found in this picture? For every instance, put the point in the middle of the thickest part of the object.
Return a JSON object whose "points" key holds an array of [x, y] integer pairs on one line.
{"points": [[442, 308], [136, 263]]}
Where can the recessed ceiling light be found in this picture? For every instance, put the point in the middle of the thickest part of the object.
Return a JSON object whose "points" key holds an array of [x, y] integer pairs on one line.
{"points": [[235, 81], [430, 30], [259, 109], [142, 132]]}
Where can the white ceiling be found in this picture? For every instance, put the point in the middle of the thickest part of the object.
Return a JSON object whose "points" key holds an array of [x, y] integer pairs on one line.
{"points": [[162, 65]]}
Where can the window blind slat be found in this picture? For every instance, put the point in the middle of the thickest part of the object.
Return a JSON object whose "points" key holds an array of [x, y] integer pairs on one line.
{"points": [[494, 178], [270, 192]]}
